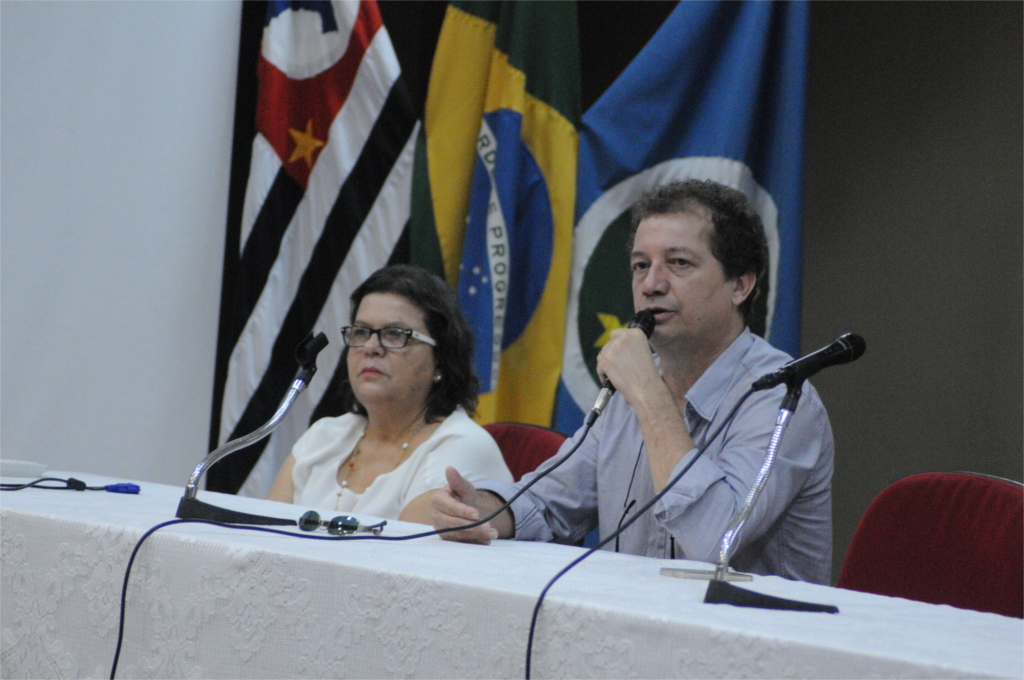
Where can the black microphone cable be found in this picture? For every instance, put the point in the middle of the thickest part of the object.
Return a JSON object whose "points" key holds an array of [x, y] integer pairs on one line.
{"points": [[643, 320], [648, 318], [618, 528], [639, 513], [409, 537], [433, 532], [422, 535], [425, 534], [131, 488], [71, 484], [628, 504], [246, 527]]}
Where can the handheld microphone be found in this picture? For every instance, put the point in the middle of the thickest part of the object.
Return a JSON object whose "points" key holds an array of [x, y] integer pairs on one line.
{"points": [[845, 349], [644, 320]]}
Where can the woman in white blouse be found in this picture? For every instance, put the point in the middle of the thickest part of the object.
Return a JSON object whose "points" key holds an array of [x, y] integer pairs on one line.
{"points": [[410, 375]]}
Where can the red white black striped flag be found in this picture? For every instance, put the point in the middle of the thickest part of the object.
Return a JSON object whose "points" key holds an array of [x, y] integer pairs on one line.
{"points": [[319, 200]]}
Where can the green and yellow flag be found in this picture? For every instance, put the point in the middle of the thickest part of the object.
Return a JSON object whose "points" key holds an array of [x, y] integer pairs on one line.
{"points": [[494, 191]]}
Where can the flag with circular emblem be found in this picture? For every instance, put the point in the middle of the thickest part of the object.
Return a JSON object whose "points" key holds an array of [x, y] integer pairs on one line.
{"points": [[494, 191], [717, 93]]}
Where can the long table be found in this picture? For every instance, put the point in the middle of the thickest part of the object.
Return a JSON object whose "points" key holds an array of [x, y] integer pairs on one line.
{"points": [[212, 602]]}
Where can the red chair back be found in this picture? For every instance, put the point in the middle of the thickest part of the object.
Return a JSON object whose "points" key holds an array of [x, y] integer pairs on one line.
{"points": [[523, 446], [946, 538]]}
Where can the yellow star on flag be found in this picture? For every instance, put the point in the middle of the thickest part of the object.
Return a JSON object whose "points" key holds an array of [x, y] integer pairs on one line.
{"points": [[305, 144], [610, 323]]}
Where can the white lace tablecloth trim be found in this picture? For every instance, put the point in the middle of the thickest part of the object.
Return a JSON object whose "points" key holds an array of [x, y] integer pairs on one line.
{"points": [[210, 602]]}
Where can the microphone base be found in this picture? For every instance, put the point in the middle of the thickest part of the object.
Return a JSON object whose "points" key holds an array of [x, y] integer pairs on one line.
{"points": [[704, 574], [720, 592], [192, 508]]}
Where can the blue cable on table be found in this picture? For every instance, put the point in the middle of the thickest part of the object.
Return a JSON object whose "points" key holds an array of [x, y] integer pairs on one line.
{"points": [[74, 485]]}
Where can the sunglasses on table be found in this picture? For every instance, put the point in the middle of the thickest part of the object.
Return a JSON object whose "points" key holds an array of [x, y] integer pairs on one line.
{"points": [[343, 525], [390, 337]]}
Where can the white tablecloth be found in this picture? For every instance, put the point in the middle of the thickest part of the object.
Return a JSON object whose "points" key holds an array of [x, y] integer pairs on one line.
{"points": [[206, 601]]}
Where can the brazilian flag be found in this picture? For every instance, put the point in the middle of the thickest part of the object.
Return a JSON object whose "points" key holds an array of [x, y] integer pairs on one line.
{"points": [[494, 191]]}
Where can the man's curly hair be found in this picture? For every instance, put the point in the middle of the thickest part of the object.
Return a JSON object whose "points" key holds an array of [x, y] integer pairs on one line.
{"points": [[738, 241]]}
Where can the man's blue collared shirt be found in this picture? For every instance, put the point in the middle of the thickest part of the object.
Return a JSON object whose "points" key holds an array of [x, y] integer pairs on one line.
{"points": [[789, 532]]}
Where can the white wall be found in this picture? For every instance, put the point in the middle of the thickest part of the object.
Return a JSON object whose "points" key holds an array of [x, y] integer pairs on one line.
{"points": [[116, 122]]}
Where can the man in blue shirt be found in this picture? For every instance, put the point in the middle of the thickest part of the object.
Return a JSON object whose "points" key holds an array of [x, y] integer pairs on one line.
{"points": [[697, 251]]}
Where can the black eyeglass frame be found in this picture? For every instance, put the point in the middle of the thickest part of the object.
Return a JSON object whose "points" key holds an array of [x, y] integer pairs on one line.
{"points": [[404, 332]]}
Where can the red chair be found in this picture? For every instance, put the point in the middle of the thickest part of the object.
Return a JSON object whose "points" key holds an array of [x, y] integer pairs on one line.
{"points": [[523, 446], [943, 537]]}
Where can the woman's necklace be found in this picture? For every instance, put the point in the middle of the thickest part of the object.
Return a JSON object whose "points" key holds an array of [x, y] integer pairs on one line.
{"points": [[350, 464]]}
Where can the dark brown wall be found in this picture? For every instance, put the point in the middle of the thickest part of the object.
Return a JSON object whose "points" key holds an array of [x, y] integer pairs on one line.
{"points": [[912, 228], [913, 238]]}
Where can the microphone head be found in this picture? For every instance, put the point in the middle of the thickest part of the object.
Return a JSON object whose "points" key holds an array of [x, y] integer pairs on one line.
{"points": [[855, 347], [644, 320], [310, 346]]}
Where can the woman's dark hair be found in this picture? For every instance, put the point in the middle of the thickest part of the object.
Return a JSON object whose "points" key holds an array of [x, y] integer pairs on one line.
{"points": [[737, 240], [453, 354]]}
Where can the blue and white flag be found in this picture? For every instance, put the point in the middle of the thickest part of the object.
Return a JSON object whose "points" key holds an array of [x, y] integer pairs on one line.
{"points": [[718, 93]]}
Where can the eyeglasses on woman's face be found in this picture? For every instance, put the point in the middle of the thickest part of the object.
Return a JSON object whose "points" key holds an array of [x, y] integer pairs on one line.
{"points": [[390, 337]]}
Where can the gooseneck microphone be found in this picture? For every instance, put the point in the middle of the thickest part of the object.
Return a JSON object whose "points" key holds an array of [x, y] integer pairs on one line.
{"points": [[644, 320], [190, 507], [845, 349]]}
